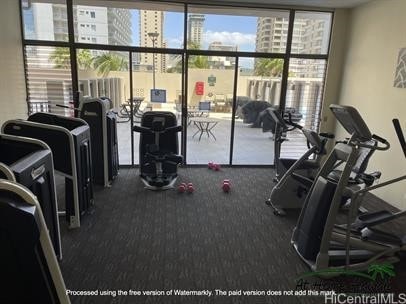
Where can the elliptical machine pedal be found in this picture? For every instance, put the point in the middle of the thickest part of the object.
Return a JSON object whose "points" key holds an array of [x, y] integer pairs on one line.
{"points": [[276, 211]]}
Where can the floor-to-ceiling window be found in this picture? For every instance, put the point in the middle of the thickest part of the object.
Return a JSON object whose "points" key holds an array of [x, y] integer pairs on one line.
{"points": [[306, 74], [47, 64], [156, 87], [202, 63]]}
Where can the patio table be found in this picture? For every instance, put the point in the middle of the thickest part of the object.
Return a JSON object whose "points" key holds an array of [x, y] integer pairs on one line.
{"points": [[204, 125]]}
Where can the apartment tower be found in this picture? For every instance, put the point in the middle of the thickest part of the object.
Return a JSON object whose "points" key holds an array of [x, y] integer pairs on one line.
{"points": [[195, 28], [151, 35]]}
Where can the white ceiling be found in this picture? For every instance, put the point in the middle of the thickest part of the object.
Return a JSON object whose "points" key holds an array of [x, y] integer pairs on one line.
{"points": [[309, 3], [328, 4]]}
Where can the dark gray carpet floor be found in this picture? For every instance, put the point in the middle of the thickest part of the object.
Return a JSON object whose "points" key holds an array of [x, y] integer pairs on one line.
{"points": [[143, 240]]}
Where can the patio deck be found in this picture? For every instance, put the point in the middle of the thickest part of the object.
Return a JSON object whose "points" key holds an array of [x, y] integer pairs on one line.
{"points": [[251, 145]]}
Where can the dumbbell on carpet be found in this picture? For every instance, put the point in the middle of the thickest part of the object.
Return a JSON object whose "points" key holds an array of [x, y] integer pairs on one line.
{"points": [[226, 185], [182, 188]]}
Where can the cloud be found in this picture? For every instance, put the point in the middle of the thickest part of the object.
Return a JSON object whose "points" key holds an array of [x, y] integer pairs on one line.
{"points": [[229, 38], [174, 42]]}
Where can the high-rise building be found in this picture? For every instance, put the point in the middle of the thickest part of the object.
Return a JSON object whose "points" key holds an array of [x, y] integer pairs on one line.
{"points": [[219, 46], [195, 28], [119, 26], [93, 24], [151, 35], [222, 62], [309, 37]]}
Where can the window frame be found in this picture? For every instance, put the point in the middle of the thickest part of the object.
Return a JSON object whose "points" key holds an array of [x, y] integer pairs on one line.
{"points": [[185, 53]]}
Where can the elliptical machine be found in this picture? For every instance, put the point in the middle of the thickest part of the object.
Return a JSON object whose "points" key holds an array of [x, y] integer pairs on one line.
{"points": [[292, 187], [282, 127], [158, 148], [319, 238], [291, 190]]}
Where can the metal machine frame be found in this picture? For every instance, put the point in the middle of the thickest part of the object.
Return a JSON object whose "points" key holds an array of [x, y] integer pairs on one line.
{"points": [[319, 239]]}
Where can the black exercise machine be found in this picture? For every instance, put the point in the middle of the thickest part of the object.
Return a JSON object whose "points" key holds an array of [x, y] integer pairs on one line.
{"points": [[158, 148], [316, 142], [102, 122], [268, 120], [69, 141], [291, 189], [319, 238], [29, 269], [29, 162]]}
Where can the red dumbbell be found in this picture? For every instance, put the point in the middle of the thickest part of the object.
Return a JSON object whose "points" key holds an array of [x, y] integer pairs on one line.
{"points": [[226, 185], [216, 167], [182, 188], [190, 188]]}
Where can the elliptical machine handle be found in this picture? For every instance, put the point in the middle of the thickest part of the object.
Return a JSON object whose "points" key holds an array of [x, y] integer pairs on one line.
{"points": [[140, 129], [293, 124], [381, 140], [327, 135], [377, 140]]}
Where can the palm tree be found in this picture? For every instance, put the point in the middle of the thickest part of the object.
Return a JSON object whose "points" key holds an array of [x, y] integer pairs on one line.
{"points": [[108, 62], [269, 67], [195, 62], [85, 59], [191, 45], [384, 269], [198, 62], [61, 58]]}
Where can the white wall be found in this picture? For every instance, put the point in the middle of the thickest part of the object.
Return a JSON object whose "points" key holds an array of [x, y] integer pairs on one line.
{"points": [[377, 32], [12, 83], [338, 48]]}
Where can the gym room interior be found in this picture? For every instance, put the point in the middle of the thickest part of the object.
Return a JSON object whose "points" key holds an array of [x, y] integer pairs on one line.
{"points": [[158, 151]]}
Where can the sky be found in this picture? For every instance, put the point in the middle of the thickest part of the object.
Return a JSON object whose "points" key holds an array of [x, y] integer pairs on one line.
{"points": [[230, 30]]}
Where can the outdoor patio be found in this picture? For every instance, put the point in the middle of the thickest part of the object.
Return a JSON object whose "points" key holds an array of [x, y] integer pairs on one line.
{"points": [[251, 145]]}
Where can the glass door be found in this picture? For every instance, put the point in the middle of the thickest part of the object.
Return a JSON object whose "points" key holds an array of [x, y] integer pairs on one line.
{"points": [[104, 73], [259, 87], [157, 86], [209, 104]]}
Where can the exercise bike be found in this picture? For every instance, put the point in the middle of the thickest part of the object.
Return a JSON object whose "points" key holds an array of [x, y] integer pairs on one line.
{"points": [[158, 148]]}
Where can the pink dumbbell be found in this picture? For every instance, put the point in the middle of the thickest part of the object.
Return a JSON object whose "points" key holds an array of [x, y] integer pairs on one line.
{"points": [[226, 185], [190, 188], [182, 188]]}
